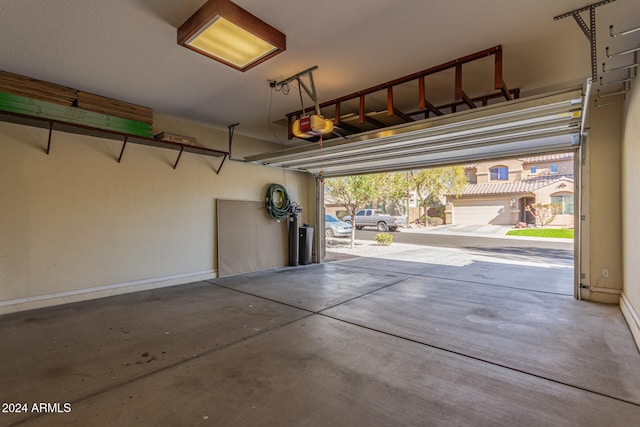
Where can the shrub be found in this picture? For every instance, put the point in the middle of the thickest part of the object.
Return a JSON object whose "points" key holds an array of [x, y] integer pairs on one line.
{"points": [[544, 213], [435, 221], [384, 239]]}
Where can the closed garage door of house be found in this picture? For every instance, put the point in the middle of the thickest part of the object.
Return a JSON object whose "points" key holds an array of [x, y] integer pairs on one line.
{"points": [[476, 212]]}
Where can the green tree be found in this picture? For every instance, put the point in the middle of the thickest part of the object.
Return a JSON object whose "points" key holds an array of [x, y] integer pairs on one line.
{"points": [[394, 190], [354, 193], [431, 185]]}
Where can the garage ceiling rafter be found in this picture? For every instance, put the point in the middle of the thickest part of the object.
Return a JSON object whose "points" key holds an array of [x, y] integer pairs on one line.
{"points": [[533, 125]]}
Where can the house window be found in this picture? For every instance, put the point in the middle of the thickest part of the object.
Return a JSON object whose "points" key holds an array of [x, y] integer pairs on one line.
{"points": [[500, 173], [566, 201], [554, 168], [534, 169]]}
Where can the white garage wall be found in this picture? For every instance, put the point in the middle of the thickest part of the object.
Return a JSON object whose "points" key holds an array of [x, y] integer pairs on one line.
{"points": [[630, 301], [603, 246], [77, 221]]}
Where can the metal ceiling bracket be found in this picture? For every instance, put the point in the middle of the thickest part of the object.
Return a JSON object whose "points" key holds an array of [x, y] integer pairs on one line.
{"points": [[628, 79], [624, 52], [606, 104], [588, 30], [232, 129], [622, 33], [625, 89], [583, 25], [624, 67], [311, 91]]}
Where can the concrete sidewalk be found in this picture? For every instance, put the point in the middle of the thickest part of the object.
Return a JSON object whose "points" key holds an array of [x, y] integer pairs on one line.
{"points": [[479, 230], [490, 231]]}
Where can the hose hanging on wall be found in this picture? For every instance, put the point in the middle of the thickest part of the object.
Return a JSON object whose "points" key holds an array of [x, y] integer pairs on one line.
{"points": [[278, 202]]}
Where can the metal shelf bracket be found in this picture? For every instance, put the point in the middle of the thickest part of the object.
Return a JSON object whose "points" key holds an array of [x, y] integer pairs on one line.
{"points": [[221, 163], [49, 140], [175, 165], [75, 128], [124, 144]]}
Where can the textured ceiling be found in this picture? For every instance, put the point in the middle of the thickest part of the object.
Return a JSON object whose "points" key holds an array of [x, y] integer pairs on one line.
{"points": [[126, 49]]}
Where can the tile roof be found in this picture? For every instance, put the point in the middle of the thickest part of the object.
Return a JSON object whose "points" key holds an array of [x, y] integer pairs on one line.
{"points": [[514, 187], [534, 159], [548, 158]]}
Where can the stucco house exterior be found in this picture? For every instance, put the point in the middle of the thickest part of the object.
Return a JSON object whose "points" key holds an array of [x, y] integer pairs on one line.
{"points": [[498, 191]]}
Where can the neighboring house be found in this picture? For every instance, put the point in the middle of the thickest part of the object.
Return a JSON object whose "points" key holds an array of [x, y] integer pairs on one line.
{"points": [[499, 191], [332, 208], [337, 210]]}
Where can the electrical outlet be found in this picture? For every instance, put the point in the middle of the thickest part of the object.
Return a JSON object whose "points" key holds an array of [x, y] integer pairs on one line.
{"points": [[605, 273]]}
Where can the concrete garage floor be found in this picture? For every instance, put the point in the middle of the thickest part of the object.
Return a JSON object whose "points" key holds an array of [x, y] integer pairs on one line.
{"points": [[360, 342]]}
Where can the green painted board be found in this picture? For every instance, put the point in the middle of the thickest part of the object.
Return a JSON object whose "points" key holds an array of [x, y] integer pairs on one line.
{"points": [[48, 110]]}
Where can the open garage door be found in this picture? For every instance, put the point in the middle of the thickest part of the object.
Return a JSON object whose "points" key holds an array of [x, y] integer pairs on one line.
{"points": [[534, 125], [543, 124]]}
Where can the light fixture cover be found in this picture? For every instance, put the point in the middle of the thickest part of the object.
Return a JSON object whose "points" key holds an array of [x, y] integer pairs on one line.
{"points": [[310, 126], [229, 34]]}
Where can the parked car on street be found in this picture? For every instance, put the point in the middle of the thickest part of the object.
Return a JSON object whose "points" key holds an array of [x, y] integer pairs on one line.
{"points": [[375, 218], [333, 227]]}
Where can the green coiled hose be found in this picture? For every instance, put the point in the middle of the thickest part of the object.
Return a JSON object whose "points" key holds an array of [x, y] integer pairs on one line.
{"points": [[278, 202]]}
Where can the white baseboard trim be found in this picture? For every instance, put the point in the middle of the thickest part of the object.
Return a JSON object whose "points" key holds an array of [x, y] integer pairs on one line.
{"points": [[606, 291], [39, 301], [632, 317]]}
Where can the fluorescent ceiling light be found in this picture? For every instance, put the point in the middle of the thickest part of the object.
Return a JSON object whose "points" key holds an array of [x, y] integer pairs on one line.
{"points": [[229, 34]]}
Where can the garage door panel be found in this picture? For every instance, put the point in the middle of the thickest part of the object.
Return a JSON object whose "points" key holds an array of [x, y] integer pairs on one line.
{"points": [[482, 212], [528, 126]]}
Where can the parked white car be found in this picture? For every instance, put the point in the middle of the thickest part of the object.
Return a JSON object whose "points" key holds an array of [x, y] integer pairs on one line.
{"points": [[333, 227]]}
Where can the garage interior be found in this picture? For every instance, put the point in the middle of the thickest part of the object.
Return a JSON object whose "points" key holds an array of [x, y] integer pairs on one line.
{"points": [[141, 280]]}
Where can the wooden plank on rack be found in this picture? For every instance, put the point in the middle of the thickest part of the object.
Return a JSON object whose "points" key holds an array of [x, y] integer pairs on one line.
{"points": [[37, 108], [36, 89], [114, 107]]}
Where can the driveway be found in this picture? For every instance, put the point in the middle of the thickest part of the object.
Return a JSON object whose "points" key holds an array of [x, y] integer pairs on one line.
{"points": [[543, 265], [467, 230]]}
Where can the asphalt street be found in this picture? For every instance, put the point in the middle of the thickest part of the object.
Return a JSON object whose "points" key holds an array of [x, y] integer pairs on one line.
{"points": [[491, 245]]}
